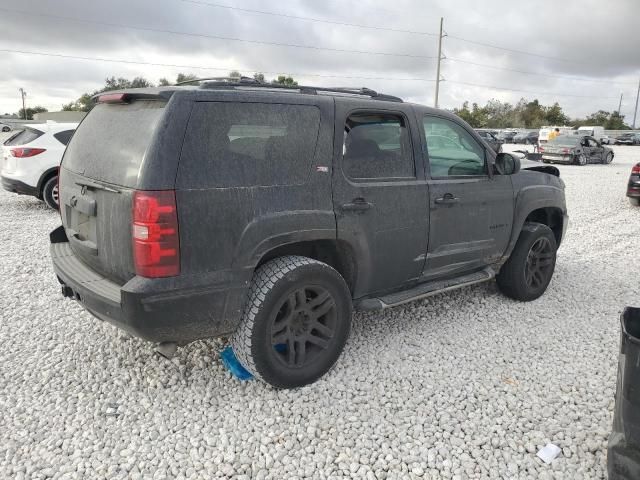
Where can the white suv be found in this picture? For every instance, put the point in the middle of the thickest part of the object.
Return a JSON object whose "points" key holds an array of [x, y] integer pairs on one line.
{"points": [[31, 159]]}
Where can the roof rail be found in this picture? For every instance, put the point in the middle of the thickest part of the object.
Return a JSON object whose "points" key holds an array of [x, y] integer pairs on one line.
{"points": [[233, 82]]}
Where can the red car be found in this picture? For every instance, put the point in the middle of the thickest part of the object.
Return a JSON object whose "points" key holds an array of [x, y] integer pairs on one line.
{"points": [[633, 188]]}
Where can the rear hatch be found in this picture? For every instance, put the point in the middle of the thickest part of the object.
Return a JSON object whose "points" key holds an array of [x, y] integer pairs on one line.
{"points": [[18, 139], [101, 169]]}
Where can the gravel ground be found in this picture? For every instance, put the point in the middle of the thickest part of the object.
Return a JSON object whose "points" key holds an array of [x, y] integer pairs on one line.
{"points": [[466, 384]]}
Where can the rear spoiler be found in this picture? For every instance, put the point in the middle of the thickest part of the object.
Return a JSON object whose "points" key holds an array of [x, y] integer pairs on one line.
{"points": [[128, 97]]}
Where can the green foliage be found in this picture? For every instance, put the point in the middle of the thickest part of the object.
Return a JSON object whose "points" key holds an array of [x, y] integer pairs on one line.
{"points": [[31, 111], [284, 80], [185, 77], [259, 77], [610, 121], [531, 114]]}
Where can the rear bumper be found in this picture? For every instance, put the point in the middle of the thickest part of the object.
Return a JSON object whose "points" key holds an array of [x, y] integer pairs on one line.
{"points": [[633, 188], [558, 158], [16, 186], [176, 309]]}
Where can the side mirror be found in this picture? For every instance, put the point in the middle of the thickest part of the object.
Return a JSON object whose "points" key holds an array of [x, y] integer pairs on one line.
{"points": [[506, 164]]}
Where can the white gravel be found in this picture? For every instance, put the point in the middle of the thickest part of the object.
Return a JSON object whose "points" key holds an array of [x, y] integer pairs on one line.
{"points": [[463, 385]]}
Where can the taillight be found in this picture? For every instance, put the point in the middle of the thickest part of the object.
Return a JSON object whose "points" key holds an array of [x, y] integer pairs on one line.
{"points": [[156, 245], [26, 152], [636, 169], [565, 150], [541, 148]]}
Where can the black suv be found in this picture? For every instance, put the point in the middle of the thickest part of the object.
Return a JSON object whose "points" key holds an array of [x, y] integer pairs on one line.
{"points": [[265, 214]]}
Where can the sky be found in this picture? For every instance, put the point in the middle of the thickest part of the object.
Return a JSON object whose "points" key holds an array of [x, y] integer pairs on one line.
{"points": [[582, 54]]}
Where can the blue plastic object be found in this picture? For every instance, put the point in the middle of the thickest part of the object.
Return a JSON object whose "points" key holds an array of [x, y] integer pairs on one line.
{"points": [[230, 361]]}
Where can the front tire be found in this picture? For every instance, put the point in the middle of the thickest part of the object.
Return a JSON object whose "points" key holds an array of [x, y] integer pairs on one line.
{"points": [[527, 273], [634, 201], [6, 129], [50, 193], [296, 322], [609, 158]]}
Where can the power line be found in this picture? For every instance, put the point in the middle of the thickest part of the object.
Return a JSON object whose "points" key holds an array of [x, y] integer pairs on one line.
{"points": [[513, 50], [525, 91], [200, 67], [309, 19], [215, 37], [529, 72]]}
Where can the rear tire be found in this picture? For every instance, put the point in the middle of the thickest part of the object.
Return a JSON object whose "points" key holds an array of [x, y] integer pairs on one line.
{"points": [[527, 273], [50, 193], [634, 201], [581, 160], [295, 323], [6, 129]]}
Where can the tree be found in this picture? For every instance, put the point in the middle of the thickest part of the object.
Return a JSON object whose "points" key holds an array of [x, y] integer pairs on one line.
{"points": [[259, 77], [31, 111], [476, 117], [235, 74], [185, 77], [284, 80], [610, 121], [555, 116], [163, 82]]}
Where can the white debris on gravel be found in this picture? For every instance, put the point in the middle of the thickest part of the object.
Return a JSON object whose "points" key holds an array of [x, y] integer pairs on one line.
{"points": [[466, 384]]}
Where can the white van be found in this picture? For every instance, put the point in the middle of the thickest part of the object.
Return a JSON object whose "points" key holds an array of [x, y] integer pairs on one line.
{"points": [[595, 132]]}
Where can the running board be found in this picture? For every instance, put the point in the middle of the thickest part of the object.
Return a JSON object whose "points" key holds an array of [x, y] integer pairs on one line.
{"points": [[425, 290]]}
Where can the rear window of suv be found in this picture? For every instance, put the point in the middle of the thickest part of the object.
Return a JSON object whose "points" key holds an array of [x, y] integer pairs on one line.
{"points": [[24, 137], [248, 144], [111, 142]]}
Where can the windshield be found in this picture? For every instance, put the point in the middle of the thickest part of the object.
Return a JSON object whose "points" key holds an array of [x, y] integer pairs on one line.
{"points": [[566, 140]]}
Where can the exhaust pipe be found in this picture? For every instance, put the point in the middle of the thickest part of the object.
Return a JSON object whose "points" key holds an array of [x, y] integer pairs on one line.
{"points": [[166, 349]]}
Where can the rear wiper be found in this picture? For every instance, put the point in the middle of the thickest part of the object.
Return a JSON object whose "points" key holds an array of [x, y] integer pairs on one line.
{"points": [[96, 185]]}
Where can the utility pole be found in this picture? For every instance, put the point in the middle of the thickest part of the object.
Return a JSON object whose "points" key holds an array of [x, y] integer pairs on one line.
{"points": [[635, 111], [620, 105], [24, 109], [439, 59]]}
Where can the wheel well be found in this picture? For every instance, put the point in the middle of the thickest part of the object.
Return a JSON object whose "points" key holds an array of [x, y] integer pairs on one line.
{"points": [[551, 217], [335, 253], [45, 178]]}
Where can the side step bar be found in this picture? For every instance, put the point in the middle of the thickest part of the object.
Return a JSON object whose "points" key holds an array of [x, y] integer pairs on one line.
{"points": [[424, 290]]}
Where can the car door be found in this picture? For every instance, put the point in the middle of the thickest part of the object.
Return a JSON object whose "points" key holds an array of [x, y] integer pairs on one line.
{"points": [[471, 209], [380, 195], [596, 151]]}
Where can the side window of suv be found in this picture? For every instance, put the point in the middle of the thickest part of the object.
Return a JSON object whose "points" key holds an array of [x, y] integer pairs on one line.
{"points": [[64, 137], [377, 146], [452, 150], [238, 144]]}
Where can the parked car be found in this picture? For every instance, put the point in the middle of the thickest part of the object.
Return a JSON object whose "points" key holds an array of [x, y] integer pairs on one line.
{"points": [[528, 138], [5, 128], [507, 135], [227, 209], [489, 137], [633, 187], [628, 139], [31, 158], [576, 149], [606, 140], [596, 132]]}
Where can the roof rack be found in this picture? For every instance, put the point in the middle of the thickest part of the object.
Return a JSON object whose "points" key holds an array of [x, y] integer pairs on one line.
{"points": [[233, 82]]}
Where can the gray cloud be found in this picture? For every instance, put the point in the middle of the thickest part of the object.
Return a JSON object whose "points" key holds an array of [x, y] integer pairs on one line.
{"points": [[599, 39]]}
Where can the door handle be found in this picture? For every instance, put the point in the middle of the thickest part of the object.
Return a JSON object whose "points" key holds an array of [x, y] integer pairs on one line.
{"points": [[447, 198], [357, 205]]}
